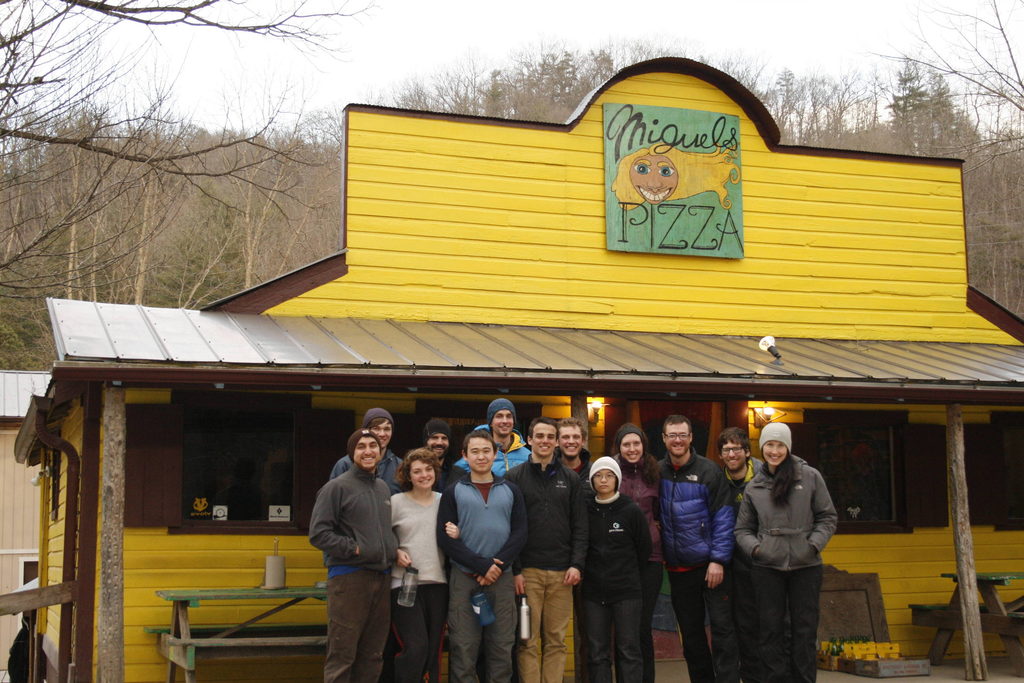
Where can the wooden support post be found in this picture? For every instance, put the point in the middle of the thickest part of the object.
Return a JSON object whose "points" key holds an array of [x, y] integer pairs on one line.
{"points": [[975, 666], [578, 406], [110, 615], [578, 409]]}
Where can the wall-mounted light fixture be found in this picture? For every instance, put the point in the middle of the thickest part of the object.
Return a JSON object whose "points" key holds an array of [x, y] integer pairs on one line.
{"points": [[766, 415], [768, 344], [594, 407], [41, 474]]}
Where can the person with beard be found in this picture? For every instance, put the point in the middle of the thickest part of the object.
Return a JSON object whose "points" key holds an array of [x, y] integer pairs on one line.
{"points": [[740, 468], [437, 436], [501, 423], [697, 525], [380, 422], [351, 524]]}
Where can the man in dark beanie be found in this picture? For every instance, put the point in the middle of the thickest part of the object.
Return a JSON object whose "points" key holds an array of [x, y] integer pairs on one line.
{"points": [[351, 524], [512, 449], [437, 436], [382, 424]]}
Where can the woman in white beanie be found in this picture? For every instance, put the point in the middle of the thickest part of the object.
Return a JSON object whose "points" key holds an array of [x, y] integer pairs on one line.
{"points": [[784, 521], [619, 545]]}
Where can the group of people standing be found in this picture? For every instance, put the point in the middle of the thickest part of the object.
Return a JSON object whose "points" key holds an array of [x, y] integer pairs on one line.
{"points": [[506, 516]]}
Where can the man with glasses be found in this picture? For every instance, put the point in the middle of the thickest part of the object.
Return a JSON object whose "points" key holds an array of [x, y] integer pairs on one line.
{"points": [[697, 523], [740, 468]]}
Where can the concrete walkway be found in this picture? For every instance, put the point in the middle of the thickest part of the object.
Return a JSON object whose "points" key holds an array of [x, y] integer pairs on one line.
{"points": [[999, 669]]}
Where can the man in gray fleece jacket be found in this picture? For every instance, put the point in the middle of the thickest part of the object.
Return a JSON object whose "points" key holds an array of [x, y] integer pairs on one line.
{"points": [[351, 524]]}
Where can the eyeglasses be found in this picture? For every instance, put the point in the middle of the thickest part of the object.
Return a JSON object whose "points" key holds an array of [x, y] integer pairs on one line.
{"points": [[733, 449], [677, 437]]}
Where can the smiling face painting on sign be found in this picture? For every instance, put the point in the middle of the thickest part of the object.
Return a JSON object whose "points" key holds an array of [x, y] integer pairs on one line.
{"points": [[672, 181]]}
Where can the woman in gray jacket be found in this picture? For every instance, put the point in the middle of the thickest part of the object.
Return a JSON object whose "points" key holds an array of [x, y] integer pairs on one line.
{"points": [[785, 519]]}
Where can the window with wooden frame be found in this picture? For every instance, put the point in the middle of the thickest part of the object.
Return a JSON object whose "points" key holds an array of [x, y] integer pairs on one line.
{"points": [[884, 474], [219, 462], [994, 456], [237, 465]]}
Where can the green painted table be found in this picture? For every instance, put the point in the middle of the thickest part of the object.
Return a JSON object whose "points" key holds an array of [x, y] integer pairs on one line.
{"points": [[183, 644], [999, 616]]}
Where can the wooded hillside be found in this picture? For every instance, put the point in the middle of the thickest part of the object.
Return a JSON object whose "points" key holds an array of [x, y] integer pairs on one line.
{"points": [[165, 239]]}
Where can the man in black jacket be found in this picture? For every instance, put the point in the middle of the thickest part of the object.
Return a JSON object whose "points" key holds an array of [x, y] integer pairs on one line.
{"points": [[552, 561]]}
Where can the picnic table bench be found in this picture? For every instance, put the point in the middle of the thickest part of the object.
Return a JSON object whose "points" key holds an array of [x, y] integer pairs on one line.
{"points": [[999, 617], [183, 643]]}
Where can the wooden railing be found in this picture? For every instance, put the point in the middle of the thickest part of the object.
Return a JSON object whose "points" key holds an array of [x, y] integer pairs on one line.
{"points": [[25, 601]]}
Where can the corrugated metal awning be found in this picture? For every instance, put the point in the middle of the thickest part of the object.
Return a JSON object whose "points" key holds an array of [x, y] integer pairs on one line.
{"points": [[162, 337]]}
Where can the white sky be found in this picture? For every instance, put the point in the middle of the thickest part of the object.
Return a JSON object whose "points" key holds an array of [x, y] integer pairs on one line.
{"points": [[214, 74]]}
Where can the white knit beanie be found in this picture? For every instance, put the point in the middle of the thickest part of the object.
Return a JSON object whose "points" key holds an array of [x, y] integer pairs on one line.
{"points": [[777, 431], [606, 463]]}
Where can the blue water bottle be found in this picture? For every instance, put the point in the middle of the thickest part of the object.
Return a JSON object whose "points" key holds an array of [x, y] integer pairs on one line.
{"points": [[482, 607]]}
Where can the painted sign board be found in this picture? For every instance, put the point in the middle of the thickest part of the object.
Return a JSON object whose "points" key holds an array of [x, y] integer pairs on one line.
{"points": [[673, 181]]}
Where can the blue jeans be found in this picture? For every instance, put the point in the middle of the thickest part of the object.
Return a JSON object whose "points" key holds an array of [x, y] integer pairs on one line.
{"points": [[624, 617]]}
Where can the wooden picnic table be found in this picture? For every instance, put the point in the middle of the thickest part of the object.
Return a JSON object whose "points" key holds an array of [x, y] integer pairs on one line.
{"points": [[999, 616], [183, 643]]}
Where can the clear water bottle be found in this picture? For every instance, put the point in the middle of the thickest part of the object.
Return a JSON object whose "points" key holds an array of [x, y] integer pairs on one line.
{"points": [[524, 619], [407, 594]]}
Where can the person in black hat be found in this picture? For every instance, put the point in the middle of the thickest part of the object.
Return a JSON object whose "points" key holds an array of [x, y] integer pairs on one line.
{"points": [[437, 436], [382, 424], [351, 524]]}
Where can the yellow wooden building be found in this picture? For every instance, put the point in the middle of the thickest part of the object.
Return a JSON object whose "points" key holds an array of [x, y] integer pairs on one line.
{"points": [[483, 257]]}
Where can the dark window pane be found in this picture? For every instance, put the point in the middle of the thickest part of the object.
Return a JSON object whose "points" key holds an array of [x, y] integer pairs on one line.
{"points": [[857, 465], [237, 465], [1014, 453]]}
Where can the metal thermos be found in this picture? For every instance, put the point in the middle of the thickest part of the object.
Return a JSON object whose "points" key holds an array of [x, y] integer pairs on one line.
{"points": [[407, 594], [524, 618]]}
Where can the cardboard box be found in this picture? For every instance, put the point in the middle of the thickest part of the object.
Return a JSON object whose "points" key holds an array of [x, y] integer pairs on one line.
{"points": [[886, 668], [828, 662]]}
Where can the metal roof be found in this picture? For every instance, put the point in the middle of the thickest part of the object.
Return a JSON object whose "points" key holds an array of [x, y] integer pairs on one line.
{"points": [[17, 388], [128, 334]]}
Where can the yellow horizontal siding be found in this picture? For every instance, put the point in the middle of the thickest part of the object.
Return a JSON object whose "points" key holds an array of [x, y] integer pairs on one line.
{"points": [[155, 560], [456, 220], [909, 565]]}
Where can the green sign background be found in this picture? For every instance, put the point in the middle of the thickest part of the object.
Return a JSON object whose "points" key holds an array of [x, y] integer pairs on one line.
{"points": [[673, 181]]}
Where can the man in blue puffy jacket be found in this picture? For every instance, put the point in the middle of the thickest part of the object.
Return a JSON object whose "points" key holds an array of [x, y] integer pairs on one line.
{"points": [[697, 523]]}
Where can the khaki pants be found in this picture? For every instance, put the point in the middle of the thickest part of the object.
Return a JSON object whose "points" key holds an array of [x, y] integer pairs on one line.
{"points": [[359, 615], [542, 658]]}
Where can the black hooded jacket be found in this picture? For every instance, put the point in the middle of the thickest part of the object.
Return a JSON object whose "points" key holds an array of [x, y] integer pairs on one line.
{"points": [[619, 545]]}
